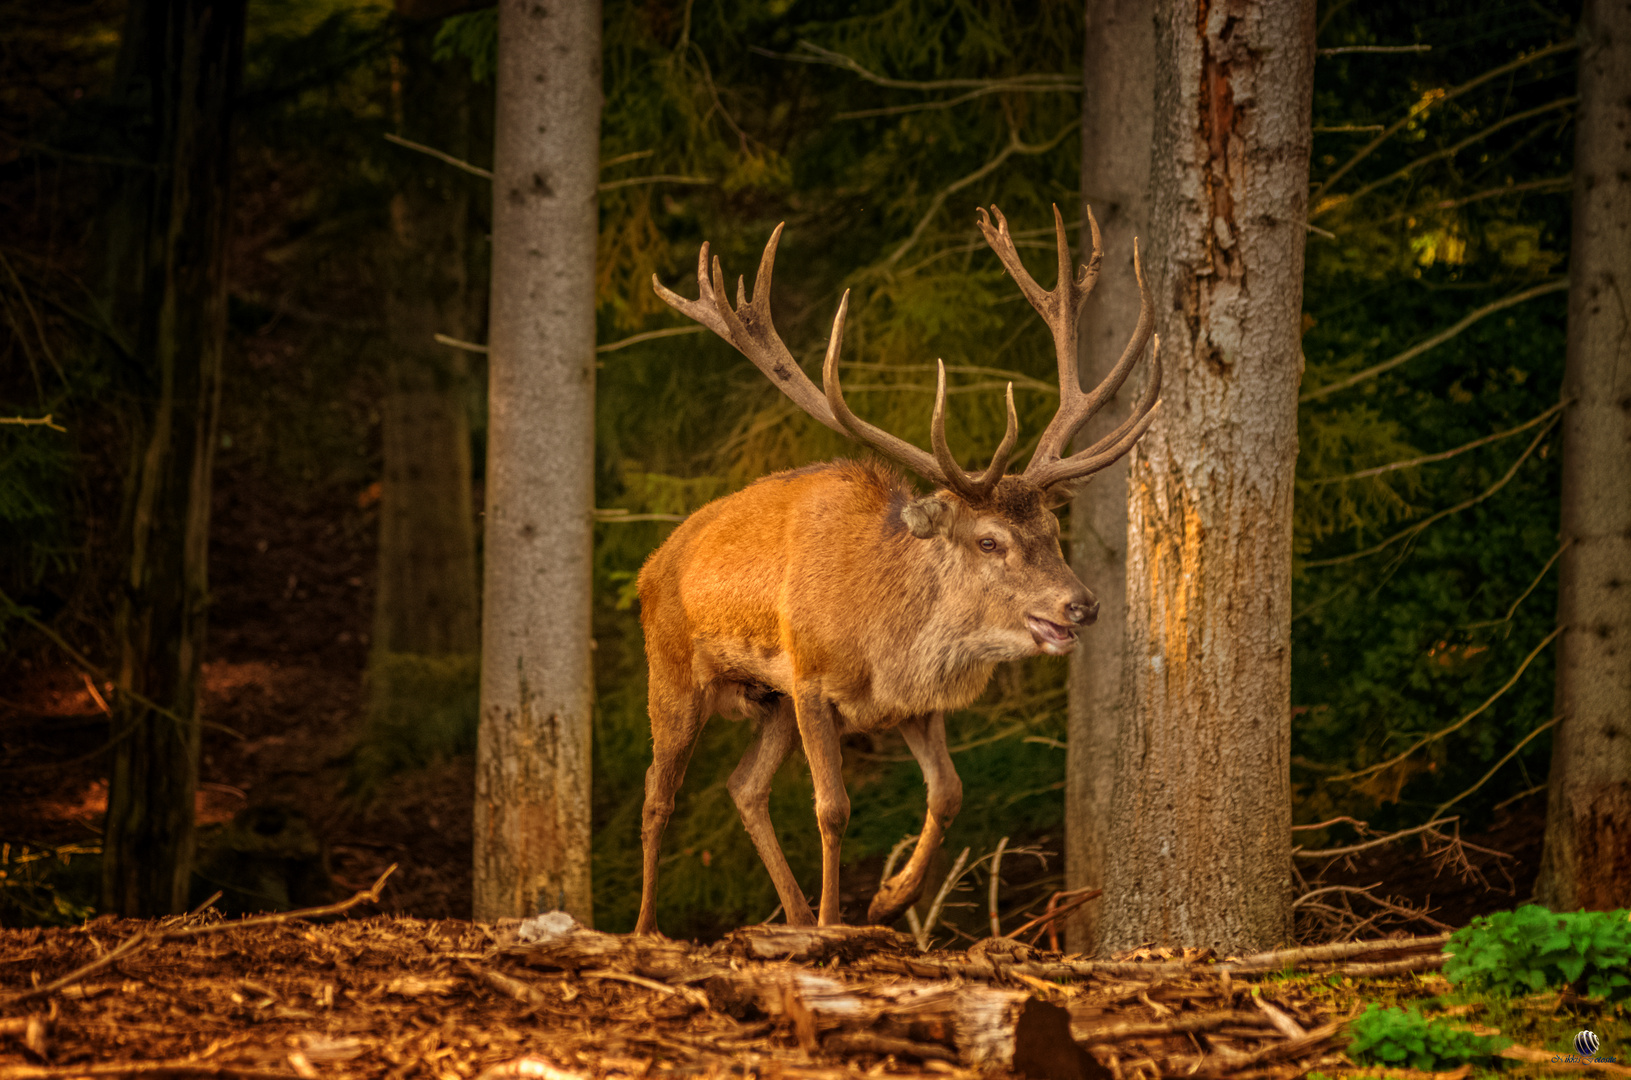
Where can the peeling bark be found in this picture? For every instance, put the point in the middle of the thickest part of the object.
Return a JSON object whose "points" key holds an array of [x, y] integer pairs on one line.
{"points": [[532, 761], [1118, 117], [1202, 807], [1586, 861]]}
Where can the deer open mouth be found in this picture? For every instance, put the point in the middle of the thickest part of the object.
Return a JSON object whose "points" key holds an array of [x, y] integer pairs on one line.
{"points": [[1053, 638]]}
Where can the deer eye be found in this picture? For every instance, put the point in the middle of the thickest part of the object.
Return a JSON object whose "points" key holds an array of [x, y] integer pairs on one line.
{"points": [[988, 545]]}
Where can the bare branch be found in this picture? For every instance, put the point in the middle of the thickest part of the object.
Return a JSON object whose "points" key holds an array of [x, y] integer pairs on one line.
{"points": [[1551, 183], [1354, 849], [39, 421], [649, 335], [1543, 289], [1445, 152], [610, 346], [1342, 50], [607, 185], [619, 516], [1443, 455], [1459, 724], [1493, 769], [1513, 610], [655, 178], [448, 159], [1422, 525], [1328, 824], [816, 54], [1015, 146], [1424, 105]]}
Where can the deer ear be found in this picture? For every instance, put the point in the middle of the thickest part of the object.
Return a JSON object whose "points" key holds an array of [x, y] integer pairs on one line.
{"points": [[926, 516]]}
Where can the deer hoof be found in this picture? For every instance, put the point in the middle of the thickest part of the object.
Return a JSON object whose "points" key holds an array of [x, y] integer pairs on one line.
{"points": [[893, 898]]}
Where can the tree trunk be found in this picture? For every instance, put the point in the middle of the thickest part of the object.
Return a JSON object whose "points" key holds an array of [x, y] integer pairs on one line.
{"points": [[532, 763], [177, 75], [1202, 801], [1586, 862], [1118, 114], [427, 603]]}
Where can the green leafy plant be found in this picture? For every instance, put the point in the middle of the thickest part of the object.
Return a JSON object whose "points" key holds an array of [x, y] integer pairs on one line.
{"points": [[1403, 1037], [1522, 951]]}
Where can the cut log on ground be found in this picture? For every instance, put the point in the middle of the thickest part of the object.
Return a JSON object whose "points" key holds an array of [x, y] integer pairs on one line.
{"points": [[980, 1026]]}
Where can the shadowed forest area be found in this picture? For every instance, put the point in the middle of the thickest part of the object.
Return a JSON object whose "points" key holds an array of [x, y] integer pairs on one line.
{"points": [[338, 696]]}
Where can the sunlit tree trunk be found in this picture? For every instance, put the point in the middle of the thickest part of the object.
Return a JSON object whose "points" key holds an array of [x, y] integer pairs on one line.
{"points": [[427, 601], [1118, 104], [1202, 801], [1586, 862], [177, 75], [532, 770]]}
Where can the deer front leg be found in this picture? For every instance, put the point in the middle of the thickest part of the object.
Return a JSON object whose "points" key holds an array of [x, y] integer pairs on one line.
{"points": [[818, 729], [926, 738]]}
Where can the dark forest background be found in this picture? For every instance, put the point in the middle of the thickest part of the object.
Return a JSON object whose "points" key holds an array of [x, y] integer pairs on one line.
{"points": [[1422, 584]]}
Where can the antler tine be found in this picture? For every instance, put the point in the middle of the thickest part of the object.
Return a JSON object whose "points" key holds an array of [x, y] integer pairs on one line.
{"points": [[973, 486], [1076, 407], [1093, 401], [902, 451], [1063, 316], [1002, 244], [702, 309], [749, 328], [1109, 449]]}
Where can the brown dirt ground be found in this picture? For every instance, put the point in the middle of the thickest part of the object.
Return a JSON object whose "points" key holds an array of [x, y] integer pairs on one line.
{"points": [[397, 997]]}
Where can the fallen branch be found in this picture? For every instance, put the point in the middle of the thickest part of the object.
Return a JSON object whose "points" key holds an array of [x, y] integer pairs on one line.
{"points": [[689, 993], [1546, 1060], [1236, 1063], [524, 992], [133, 945], [1179, 1025], [1313, 957], [1430, 962]]}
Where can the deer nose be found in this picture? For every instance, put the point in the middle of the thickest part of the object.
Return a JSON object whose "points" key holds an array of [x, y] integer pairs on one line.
{"points": [[1082, 614]]}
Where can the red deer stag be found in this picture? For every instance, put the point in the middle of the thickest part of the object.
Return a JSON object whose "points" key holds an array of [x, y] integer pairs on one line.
{"points": [[834, 599]]}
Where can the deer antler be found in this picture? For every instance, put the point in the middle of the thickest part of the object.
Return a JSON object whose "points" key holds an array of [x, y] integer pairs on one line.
{"points": [[749, 329], [1061, 309]]}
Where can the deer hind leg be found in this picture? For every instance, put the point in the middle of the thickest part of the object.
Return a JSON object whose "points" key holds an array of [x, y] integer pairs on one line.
{"points": [[676, 721], [818, 730], [749, 786], [926, 738]]}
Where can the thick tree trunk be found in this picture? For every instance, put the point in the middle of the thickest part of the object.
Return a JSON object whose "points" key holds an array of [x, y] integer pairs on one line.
{"points": [[532, 763], [1587, 857], [427, 602], [178, 73], [1118, 115], [1202, 801]]}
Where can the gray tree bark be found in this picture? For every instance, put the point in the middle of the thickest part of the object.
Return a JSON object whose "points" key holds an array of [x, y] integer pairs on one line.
{"points": [[1586, 861], [1202, 800], [178, 72], [1118, 116], [532, 818]]}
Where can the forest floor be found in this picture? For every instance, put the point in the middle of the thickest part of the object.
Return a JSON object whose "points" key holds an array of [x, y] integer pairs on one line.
{"points": [[397, 997]]}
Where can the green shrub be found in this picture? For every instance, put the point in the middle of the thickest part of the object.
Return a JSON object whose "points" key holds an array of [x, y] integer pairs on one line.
{"points": [[1404, 1038], [1522, 951]]}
